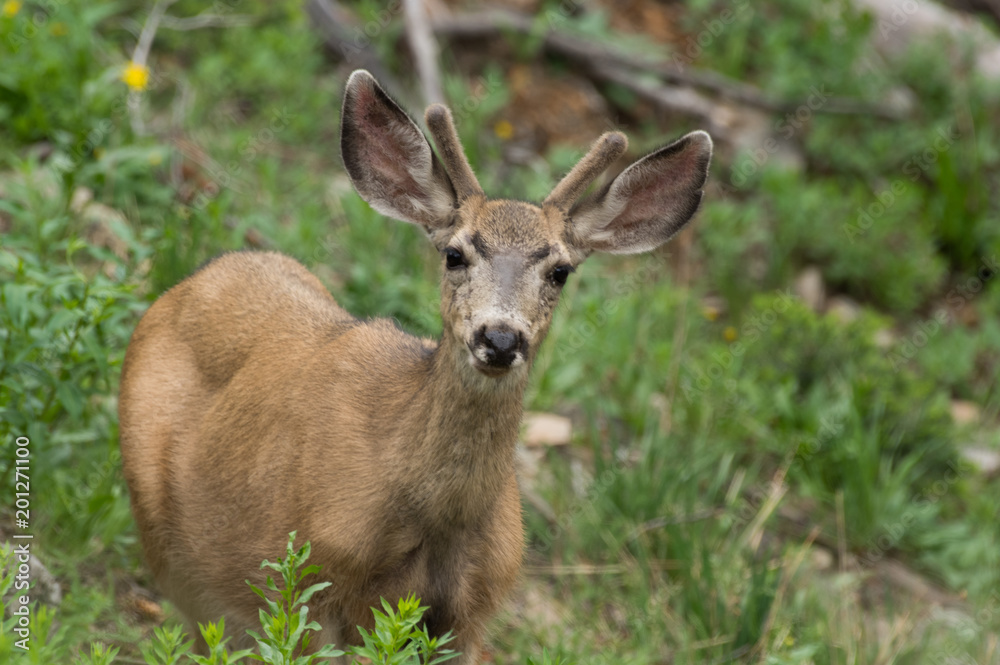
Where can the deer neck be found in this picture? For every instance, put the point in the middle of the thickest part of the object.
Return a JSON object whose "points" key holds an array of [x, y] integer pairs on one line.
{"points": [[470, 423]]}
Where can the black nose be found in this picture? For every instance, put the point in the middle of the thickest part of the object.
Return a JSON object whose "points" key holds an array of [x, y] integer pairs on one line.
{"points": [[501, 344]]}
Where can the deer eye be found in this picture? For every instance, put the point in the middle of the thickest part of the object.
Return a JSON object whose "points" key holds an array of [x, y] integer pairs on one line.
{"points": [[453, 259], [559, 274]]}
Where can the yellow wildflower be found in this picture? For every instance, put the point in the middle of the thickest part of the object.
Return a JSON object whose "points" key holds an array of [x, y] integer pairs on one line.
{"points": [[136, 76], [729, 334], [11, 7], [504, 130]]}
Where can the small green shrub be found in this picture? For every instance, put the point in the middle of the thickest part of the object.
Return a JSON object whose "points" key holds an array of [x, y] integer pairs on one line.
{"points": [[67, 307], [59, 74], [285, 624], [852, 418], [397, 639], [286, 631]]}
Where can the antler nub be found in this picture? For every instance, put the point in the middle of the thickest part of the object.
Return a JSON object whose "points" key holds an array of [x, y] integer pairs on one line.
{"points": [[604, 152], [442, 128]]}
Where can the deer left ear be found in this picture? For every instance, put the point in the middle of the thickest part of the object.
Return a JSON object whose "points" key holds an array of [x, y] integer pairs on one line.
{"points": [[388, 158], [648, 202]]}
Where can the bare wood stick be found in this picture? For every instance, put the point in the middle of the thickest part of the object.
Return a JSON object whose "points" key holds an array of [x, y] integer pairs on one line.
{"points": [[425, 50], [141, 51], [343, 36], [686, 100], [596, 55], [205, 21], [139, 56]]}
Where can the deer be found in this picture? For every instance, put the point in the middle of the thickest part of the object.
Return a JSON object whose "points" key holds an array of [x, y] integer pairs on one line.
{"points": [[252, 405]]}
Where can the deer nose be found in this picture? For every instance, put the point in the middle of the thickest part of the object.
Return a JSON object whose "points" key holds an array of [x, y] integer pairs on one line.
{"points": [[501, 344]]}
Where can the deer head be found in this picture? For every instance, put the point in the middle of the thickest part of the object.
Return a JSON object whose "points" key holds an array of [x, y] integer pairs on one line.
{"points": [[504, 262]]}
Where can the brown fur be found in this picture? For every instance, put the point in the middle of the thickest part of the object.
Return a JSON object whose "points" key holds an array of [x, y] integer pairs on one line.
{"points": [[253, 405]]}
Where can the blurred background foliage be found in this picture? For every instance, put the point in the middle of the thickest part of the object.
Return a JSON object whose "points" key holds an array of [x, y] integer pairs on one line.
{"points": [[784, 423]]}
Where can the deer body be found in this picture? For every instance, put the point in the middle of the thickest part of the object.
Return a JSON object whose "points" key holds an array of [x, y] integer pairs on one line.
{"points": [[253, 405]]}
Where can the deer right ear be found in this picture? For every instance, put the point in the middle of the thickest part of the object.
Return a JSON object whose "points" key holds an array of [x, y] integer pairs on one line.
{"points": [[648, 202], [388, 158]]}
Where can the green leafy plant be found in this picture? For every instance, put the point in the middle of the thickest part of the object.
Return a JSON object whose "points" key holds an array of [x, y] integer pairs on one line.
{"points": [[286, 625], [167, 646], [214, 634], [100, 654], [547, 659], [397, 639]]}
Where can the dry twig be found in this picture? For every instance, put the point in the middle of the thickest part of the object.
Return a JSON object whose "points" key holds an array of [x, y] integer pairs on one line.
{"points": [[206, 21], [335, 24], [425, 50], [626, 69]]}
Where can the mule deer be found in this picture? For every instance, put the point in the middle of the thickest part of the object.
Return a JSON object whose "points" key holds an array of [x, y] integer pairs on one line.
{"points": [[252, 405]]}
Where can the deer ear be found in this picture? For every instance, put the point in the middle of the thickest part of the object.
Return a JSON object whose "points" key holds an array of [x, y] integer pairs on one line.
{"points": [[389, 160], [648, 202]]}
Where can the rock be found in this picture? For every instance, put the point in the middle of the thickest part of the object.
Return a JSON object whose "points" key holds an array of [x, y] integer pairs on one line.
{"points": [[964, 412], [986, 459], [546, 429], [47, 588], [884, 338], [843, 309], [529, 463], [900, 25], [44, 586], [822, 558], [580, 478], [809, 286], [82, 196]]}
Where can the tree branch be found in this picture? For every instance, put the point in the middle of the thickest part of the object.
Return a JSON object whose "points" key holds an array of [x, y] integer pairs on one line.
{"points": [[425, 50], [343, 36], [615, 65]]}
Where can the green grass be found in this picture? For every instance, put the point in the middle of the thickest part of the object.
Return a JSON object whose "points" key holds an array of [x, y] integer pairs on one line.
{"points": [[724, 457]]}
